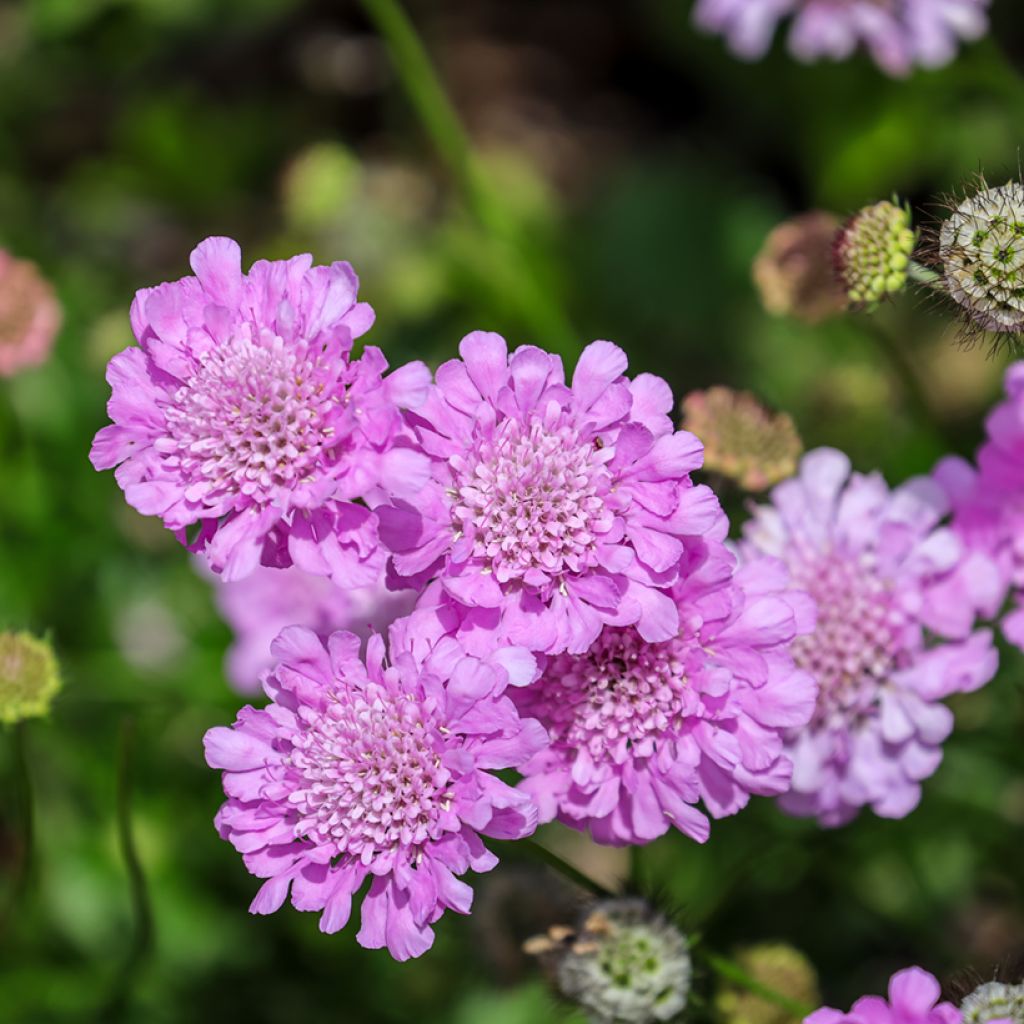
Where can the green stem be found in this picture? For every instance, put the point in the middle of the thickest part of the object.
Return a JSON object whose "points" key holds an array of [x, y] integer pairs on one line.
{"points": [[22, 874], [910, 382], [923, 275], [416, 72], [563, 867], [733, 972], [142, 913]]}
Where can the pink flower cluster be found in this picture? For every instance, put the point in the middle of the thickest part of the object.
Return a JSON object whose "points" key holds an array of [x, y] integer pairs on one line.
{"points": [[558, 597], [899, 34]]}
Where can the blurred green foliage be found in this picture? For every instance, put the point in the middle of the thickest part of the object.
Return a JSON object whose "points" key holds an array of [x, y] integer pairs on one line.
{"points": [[642, 167]]}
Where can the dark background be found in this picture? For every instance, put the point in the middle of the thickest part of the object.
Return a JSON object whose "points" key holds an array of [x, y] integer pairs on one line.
{"points": [[633, 168]]}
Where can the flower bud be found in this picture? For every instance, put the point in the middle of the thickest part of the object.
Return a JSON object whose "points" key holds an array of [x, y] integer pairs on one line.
{"points": [[742, 439], [779, 967], [29, 677], [872, 253], [793, 271], [29, 315]]}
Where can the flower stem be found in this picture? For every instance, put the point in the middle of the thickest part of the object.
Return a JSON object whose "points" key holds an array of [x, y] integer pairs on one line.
{"points": [[563, 867], [427, 94], [22, 874], [142, 913], [923, 275], [731, 971]]}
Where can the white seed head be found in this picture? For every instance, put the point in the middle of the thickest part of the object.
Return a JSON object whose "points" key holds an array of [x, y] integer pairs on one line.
{"points": [[994, 1001], [981, 247]]}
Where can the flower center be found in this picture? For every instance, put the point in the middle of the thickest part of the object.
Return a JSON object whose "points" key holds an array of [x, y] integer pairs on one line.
{"points": [[255, 418], [855, 644], [616, 700], [369, 773], [531, 499]]}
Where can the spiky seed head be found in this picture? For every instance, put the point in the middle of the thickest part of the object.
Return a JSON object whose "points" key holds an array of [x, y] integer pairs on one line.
{"points": [[873, 251], [981, 253], [625, 964], [29, 676], [779, 967], [994, 1001], [793, 271], [742, 439]]}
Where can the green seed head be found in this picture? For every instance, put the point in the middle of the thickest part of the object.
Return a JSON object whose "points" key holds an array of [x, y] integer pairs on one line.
{"points": [[29, 677], [873, 251]]}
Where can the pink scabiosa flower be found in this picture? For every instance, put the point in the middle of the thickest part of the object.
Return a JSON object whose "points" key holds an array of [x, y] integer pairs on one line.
{"points": [[374, 770], [552, 510], [640, 732], [242, 419], [988, 514], [913, 999], [899, 34], [889, 644], [30, 315], [262, 604]]}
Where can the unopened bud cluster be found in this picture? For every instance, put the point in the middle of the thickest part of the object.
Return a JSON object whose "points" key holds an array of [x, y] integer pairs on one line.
{"points": [[873, 252]]}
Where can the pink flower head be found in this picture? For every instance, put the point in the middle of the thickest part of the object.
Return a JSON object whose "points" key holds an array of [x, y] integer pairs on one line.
{"points": [[913, 999], [379, 771], [243, 417], [29, 315], [899, 34], [258, 607], [988, 513], [641, 731], [552, 510], [889, 643]]}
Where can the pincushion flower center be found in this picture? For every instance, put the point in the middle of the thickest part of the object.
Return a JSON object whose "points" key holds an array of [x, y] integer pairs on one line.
{"points": [[531, 500], [855, 644], [616, 700], [255, 417], [369, 775]]}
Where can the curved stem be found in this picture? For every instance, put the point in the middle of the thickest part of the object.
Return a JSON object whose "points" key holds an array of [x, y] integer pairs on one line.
{"points": [[563, 867], [142, 913], [420, 80], [731, 971], [22, 874]]}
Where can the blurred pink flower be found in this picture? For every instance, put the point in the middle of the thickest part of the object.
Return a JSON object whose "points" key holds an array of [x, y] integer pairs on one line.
{"points": [[30, 315]]}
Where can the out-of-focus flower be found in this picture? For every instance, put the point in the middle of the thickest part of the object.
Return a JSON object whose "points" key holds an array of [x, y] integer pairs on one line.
{"points": [[742, 439], [242, 421], [988, 506], [781, 968], [872, 252], [899, 34], [624, 964], [29, 677], [981, 252], [994, 1001], [30, 315], [372, 770], [794, 271], [641, 732], [258, 607], [891, 639], [913, 999], [552, 509]]}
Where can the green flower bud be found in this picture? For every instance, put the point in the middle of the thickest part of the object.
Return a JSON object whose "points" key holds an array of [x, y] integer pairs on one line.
{"points": [[872, 253], [29, 677], [779, 967]]}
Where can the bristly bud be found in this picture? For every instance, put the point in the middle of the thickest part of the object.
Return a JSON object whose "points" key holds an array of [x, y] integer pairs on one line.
{"points": [[981, 256], [624, 964], [793, 271], [742, 439], [29, 677], [994, 1001], [873, 251], [779, 967]]}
